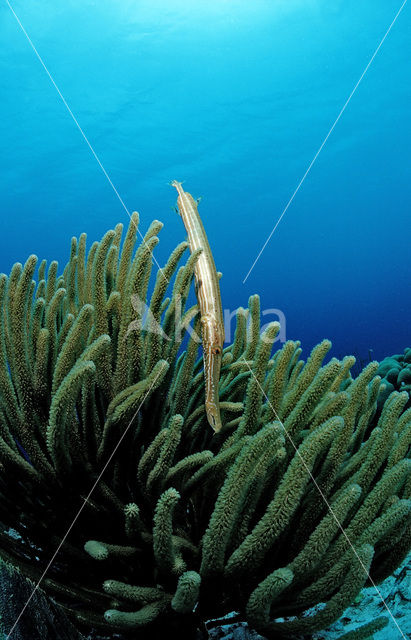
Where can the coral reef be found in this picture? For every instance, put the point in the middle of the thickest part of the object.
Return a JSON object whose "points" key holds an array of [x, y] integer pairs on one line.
{"points": [[42, 619], [394, 593], [102, 421], [395, 372]]}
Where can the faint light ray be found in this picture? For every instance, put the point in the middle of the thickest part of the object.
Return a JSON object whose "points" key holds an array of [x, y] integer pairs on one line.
{"points": [[324, 141], [79, 128]]}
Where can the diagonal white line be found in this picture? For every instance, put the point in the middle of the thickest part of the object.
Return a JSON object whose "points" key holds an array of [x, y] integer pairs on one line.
{"points": [[82, 506], [78, 126], [263, 392], [325, 140], [329, 507]]}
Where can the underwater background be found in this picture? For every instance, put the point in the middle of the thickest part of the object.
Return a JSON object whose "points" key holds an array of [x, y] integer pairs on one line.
{"points": [[233, 98], [284, 115]]}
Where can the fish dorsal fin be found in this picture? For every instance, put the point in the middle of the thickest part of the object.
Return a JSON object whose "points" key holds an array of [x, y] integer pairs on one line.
{"points": [[191, 199]]}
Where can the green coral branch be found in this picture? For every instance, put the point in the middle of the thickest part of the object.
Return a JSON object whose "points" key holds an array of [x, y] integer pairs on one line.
{"points": [[98, 394]]}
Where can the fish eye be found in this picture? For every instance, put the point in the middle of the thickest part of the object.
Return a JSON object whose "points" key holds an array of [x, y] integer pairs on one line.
{"points": [[216, 351]]}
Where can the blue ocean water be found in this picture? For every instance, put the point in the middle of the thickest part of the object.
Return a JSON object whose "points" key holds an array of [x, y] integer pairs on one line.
{"points": [[235, 99]]}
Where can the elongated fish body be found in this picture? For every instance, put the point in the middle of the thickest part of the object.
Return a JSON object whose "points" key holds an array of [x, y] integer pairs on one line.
{"points": [[209, 302]]}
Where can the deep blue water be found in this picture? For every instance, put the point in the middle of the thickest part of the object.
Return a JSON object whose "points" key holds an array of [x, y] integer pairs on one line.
{"points": [[234, 98]]}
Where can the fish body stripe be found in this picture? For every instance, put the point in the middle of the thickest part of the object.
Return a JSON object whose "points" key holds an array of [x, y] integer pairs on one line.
{"points": [[209, 302]]}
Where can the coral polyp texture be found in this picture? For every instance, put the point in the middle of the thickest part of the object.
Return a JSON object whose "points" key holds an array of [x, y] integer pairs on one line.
{"points": [[294, 503], [395, 372]]}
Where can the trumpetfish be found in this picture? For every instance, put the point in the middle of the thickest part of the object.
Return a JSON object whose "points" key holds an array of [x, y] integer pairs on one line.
{"points": [[209, 301]]}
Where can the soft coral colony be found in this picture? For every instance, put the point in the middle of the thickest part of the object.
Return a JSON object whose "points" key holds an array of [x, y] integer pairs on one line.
{"points": [[299, 496]]}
